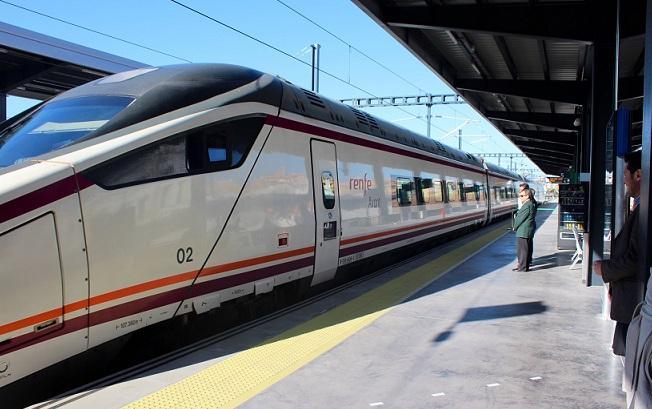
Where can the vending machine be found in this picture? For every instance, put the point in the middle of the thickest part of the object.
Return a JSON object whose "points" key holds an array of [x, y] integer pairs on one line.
{"points": [[573, 207]]}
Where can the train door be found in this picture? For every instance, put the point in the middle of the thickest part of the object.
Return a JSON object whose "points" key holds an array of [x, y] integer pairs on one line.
{"points": [[487, 197], [327, 210], [44, 279]]}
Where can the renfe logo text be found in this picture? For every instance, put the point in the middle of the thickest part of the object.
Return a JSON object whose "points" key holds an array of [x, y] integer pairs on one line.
{"points": [[360, 184]]}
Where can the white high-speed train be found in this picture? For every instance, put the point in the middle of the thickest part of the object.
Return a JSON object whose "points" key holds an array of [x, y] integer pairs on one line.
{"points": [[167, 191]]}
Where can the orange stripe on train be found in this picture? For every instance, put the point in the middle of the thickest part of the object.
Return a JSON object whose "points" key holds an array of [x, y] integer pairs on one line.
{"points": [[150, 285]]}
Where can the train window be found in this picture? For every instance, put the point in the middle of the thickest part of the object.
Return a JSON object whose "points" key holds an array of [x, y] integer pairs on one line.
{"points": [[503, 193], [215, 147], [161, 160], [328, 189], [404, 191], [479, 192], [223, 145], [57, 124], [452, 192], [470, 192], [438, 191], [419, 183], [495, 193], [428, 191], [463, 191]]}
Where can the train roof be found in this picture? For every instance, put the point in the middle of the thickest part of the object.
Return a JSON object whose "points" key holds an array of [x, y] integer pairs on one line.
{"points": [[502, 171], [310, 104], [158, 90], [192, 81]]}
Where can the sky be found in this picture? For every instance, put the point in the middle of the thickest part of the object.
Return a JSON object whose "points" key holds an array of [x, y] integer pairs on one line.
{"points": [[180, 35]]}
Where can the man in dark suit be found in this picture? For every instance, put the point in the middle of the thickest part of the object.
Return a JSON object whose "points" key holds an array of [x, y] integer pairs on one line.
{"points": [[524, 226], [621, 270]]}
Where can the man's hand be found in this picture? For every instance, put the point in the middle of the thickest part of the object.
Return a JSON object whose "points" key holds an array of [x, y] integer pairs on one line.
{"points": [[597, 267]]}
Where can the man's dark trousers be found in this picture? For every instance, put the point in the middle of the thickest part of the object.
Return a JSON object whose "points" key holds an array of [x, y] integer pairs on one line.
{"points": [[524, 252]]}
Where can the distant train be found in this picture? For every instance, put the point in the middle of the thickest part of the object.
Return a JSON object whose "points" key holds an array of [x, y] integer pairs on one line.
{"points": [[166, 191]]}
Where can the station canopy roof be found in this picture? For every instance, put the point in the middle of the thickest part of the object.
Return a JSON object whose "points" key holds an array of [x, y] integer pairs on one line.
{"points": [[525, 65], [37, 66]]}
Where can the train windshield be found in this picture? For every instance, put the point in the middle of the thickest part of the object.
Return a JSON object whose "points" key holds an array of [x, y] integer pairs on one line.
{"points": [[57, 125]]}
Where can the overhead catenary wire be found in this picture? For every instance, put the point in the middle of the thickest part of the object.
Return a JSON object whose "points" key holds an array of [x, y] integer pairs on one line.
{"points": [[351, 47], [223, 24], [93, 30]]}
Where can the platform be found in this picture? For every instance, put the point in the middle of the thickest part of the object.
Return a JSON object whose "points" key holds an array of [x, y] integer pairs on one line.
{"points": [[478, 336]]}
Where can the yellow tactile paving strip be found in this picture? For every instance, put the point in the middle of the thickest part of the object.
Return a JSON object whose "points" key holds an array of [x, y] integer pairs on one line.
{"points": [[235, 380]]}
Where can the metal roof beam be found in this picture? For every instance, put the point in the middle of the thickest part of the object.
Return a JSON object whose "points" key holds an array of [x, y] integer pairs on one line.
{"points": [[549, 153], [507, 56], [33, 43], [559, 121], [571, 21], [420, 46], [546, 146], [26, 73], [559, 138], [570, 92], [558, 162]]}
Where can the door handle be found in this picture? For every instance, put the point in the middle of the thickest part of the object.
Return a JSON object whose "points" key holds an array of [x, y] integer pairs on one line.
{"points": [[45, 325]]}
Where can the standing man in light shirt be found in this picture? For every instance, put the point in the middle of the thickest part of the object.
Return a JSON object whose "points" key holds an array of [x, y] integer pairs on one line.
{"points": [[621, 270]]}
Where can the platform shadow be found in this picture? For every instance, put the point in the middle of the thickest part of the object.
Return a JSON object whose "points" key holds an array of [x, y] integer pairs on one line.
{"points": [[493, 312]]}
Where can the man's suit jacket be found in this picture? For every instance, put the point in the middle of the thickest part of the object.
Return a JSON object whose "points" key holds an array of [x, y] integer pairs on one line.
{"points": [[621, 271], [524, 223]]}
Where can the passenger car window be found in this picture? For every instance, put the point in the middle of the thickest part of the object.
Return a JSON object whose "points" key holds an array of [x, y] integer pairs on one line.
{"points": [[428, 191], [452, 192], [328, 189], [479, 192], [214, 147], [470, 193], [438, 191], [404, 191], [462, 191]]}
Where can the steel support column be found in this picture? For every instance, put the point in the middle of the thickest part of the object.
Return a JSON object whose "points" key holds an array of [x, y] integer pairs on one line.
{"points": [[603, 107], [3, 106], [584, 137], [645, 221], [584, 163]]}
